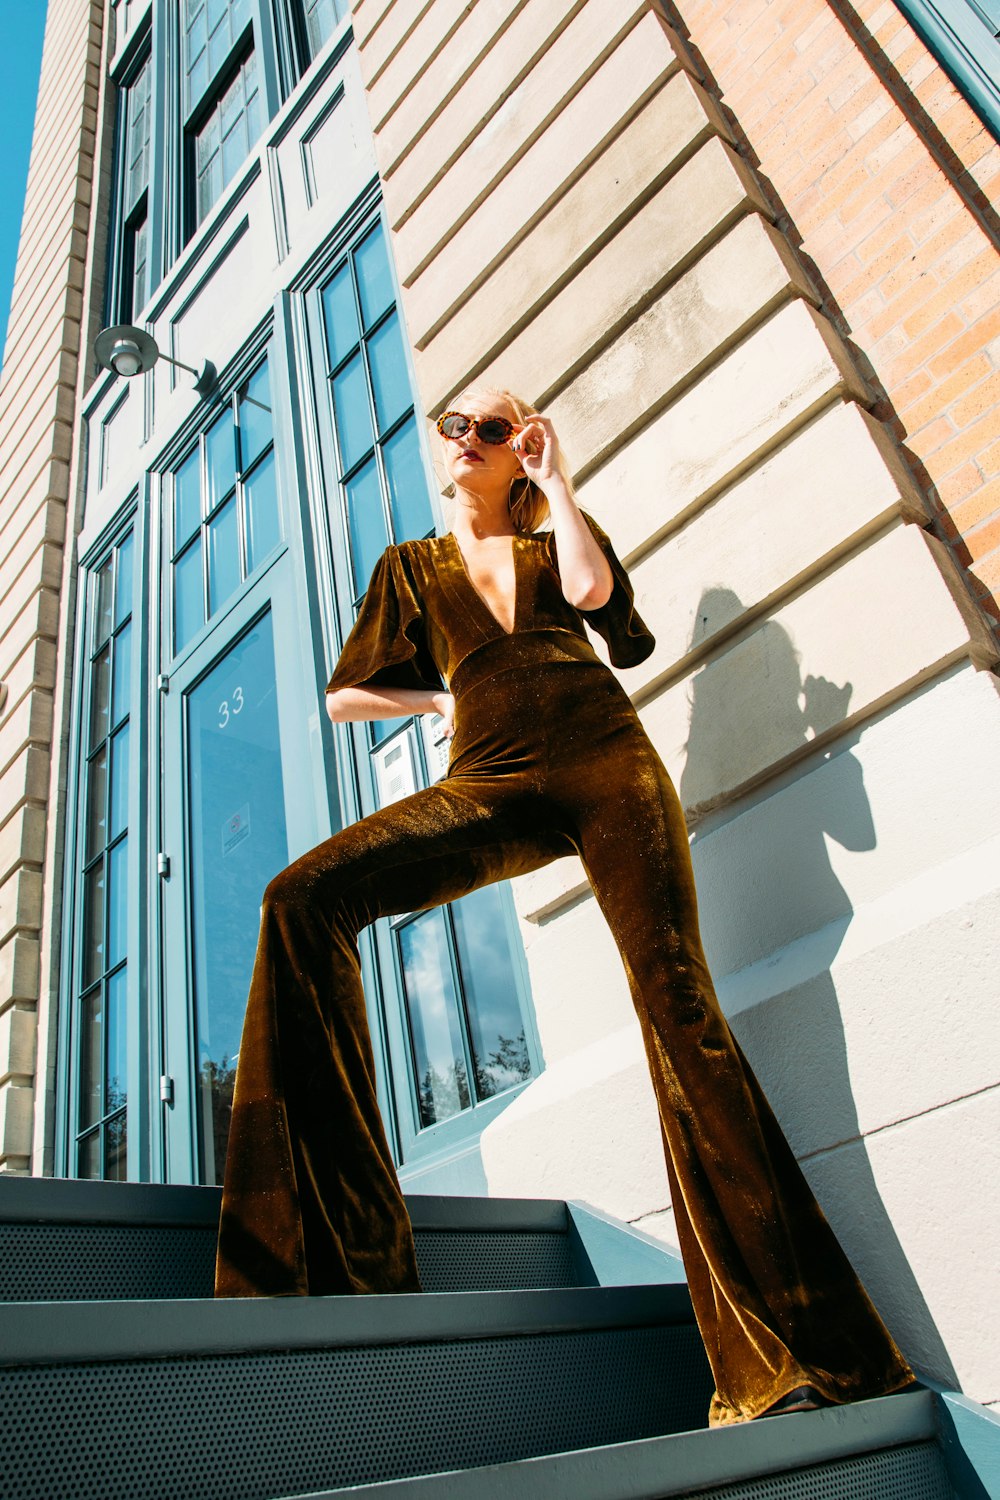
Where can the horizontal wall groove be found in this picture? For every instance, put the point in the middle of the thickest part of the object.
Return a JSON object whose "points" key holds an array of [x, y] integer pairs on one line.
{"points": [[580, 166]]}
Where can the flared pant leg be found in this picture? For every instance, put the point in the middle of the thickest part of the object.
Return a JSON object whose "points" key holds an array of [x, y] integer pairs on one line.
{"points": [[311, 1199], [776, 1299]]}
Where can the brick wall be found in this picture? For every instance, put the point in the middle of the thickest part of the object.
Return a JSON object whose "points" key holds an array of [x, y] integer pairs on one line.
{"points": [[889, 180], [37, 418]]}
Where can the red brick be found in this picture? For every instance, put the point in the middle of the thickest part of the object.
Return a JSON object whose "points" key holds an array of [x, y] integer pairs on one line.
{"points": [[940, 400], [982, 398], [968, 444], [914, 294], [971, 342], [959, 490], [983, 502], [982, 540]]}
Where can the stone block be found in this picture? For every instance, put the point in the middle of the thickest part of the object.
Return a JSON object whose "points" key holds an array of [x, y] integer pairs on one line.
{"points": [[874, 627], [448, 103], [745, 404], [458, 260], [735, 285], [833, 482], [16, 1108], [19, 968], [17, 1044], [603, 250], [22, 840], [492, 125], [909, 1207]]}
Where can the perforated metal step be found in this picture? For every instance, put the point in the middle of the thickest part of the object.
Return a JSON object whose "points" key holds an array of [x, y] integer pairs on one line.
{"points": [[66, 1240], [875, 1450], [255, 1399]]}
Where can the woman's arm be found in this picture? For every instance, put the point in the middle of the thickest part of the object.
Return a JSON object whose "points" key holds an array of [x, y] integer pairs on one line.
{"points": [[584, 571], [353, 703]]}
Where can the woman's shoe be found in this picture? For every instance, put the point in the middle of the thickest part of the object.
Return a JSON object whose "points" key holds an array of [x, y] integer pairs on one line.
{"points": [[803, 1398]]}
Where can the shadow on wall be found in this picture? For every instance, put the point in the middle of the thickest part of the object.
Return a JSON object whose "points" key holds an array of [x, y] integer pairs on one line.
{"points": [[761, 895]]}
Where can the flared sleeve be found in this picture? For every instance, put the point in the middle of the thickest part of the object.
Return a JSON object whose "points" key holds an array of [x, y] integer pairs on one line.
{"points": [[387, 645], [628, 636]]}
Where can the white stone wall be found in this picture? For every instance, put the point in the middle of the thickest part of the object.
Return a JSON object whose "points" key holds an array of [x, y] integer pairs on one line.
{"points": [[572, 219]]}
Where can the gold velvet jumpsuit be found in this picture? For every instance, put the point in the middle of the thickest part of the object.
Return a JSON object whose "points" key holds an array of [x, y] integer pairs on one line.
{"points": [[548, 758]]}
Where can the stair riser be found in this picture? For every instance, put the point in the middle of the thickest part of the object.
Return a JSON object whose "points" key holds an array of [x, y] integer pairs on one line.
{"points": [[283, 1423], [107, 1262]]}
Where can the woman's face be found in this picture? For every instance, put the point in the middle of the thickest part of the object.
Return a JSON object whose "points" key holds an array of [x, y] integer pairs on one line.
{"points": [[473, 464]]}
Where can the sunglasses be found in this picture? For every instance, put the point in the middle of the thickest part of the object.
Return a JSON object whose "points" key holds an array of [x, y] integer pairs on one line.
{"points": [[454, 424]]}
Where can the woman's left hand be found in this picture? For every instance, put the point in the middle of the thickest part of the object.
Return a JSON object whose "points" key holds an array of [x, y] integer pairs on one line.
{"points": [[537, 447]]}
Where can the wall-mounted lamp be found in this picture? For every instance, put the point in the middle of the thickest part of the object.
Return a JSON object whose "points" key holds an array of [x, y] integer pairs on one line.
{"points": [[130, 351]]}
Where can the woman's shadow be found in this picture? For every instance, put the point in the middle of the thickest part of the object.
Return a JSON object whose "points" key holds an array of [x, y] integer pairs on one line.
{"points": [[765, 881]]}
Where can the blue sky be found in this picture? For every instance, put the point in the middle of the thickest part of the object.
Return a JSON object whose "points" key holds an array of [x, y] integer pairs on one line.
{"points": [[20, 60]]}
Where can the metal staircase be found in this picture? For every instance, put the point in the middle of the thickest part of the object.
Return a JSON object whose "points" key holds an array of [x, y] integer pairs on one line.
{"points": [[553, 1354]]}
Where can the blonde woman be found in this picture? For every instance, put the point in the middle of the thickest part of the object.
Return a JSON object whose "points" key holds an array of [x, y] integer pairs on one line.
{"points": [[485, 626]]}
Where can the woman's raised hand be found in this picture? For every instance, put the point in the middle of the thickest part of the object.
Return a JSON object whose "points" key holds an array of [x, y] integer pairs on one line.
{"points": [[537, 446]]}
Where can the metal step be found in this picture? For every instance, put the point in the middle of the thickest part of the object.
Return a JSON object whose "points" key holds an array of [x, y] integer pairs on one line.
{"points": [[251, 1399], [873, 1450], [61, 1239]]}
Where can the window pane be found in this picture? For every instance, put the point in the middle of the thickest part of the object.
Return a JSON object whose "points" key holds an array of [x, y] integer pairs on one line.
{"points": [[97, 792], [100, 696], [91, 1058], [340, 314], [223, 557], [103, 612], [116, 1087], [374, 276], [263, 517], [238, 841], [93, 924], [409, 500], [115, 1156], [117, 903], [189, 603], [118, 811], [366, 521], [439, 1064], [499, 1050], [123, 586], [138, 137], [390, 380], [256, 425], [120, 690], [353, 414], [187, 499], [220, 451], [88, 1161], [140, 267]]}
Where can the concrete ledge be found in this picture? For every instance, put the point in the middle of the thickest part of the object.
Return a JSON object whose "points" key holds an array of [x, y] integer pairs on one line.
{"points": [[440, 268], [750, 400], [579, 277], [735, 285], [504, 38]]}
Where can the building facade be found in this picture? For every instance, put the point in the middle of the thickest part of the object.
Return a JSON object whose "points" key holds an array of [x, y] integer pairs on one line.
{"points": [[744, 255]]}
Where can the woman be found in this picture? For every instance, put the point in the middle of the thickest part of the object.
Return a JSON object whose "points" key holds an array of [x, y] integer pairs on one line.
{"points": [[548, 757]]}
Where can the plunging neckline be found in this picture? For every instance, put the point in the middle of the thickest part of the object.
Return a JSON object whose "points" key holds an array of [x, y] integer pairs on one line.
{"points": [[515, 538]]}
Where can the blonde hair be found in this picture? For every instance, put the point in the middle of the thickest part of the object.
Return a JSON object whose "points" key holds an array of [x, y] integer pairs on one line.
{"points": [[527, 504]]}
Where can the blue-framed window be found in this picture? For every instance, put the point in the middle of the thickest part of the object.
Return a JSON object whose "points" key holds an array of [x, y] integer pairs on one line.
{"points": [[130, 281], [225, 519], [314, 22], [964, 36], [220, 97], [101, 957], [461, 1027]]}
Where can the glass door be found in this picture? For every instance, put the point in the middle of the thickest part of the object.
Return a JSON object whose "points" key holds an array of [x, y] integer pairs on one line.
{"points": [[238, 807]]}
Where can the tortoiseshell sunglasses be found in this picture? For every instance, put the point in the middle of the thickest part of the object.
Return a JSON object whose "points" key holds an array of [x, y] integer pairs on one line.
{"points": [[455, 424]]}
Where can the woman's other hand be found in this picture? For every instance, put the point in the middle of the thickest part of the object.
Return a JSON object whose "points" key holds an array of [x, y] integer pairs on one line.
{"points": [[444, 704], [537, 447]]}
